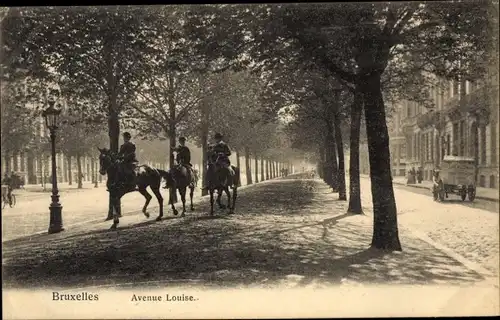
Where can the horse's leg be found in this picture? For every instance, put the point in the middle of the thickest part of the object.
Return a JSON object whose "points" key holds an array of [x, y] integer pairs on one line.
{"points": [[145, 193], [226, 189], [116, 213], [211, 190], [219, 199], [156, 191], [235, 194], [173, 194], [182, 191], [191, 193]]}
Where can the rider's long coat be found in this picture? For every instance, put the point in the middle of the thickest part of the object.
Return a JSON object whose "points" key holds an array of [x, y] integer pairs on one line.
{"points": [[183, 154], [127, 150]]}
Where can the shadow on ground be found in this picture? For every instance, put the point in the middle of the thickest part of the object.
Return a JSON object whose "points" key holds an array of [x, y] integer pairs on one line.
{"points": [[285, 232]]}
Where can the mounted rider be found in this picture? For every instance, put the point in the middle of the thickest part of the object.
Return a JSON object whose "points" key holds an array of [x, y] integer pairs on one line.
{"points": [[183, 157], [217, 149], [183, 153], [128, 158]]}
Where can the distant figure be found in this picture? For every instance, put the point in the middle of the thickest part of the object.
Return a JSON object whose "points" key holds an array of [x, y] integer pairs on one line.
{"points": [[411, 176], [7, 180], [435, 181], [420, 175]]}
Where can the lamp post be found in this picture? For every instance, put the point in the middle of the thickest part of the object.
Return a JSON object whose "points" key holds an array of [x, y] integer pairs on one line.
{"points": [[51, 115]]}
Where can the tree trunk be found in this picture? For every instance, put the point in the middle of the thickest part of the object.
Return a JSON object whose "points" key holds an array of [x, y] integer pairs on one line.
{"points": [[354, 182], [7, 163], [79, 169], [238, 161], [204, 165], [262, 173], [385, 226], [340, 153], [70, 171], [171, 139], [204, 143], [267, 170], [31, 168], [171, 125], [321, 163], [248, 169], [92, 171], [113, 113], [256, 160], [15, 166], [331, 159]]}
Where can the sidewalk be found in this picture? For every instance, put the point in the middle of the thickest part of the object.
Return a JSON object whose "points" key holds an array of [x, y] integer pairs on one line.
{"points": [[489, 194], [286, 233]]}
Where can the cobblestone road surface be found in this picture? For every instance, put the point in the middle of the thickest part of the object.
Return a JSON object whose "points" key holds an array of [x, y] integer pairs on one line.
{"points": [[470, 232]]}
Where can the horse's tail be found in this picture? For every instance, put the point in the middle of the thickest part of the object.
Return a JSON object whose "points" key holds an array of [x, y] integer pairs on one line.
{"points": [[165, 175], [171, 184]]}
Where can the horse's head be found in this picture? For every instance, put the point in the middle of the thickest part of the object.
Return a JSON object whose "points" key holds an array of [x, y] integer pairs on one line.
{"points": [[106, 160]]}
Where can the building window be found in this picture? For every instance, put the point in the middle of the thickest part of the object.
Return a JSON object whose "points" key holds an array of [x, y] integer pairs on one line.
{"points": [[492, 181]]}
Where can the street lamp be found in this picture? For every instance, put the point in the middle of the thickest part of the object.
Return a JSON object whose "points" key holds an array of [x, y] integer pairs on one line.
{"points": [[51, 116]]}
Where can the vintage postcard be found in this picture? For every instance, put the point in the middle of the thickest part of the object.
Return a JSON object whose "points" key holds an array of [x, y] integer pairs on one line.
{"points": [[289, 160]]}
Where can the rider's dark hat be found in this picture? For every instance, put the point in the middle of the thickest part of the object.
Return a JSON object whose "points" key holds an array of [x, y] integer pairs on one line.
{"points": [[127, 134], [218, 136], [182, 139]]}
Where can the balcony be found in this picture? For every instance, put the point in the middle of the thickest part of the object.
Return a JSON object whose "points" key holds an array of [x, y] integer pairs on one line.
{"points": [[397, 139]]}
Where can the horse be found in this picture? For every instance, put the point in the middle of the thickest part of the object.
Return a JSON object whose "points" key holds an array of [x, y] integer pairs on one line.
{"points": [[180, 180], [220, 178], [145, 176]]}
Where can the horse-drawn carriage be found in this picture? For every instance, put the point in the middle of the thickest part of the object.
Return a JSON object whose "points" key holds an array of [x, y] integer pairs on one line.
{"points": [[456, 176]]}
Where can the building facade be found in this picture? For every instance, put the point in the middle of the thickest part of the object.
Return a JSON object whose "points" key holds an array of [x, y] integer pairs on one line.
{"points": [[463, 122]]}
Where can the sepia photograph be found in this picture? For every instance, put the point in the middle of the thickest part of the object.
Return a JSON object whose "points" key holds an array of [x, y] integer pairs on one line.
{"points": [[265, 160]]}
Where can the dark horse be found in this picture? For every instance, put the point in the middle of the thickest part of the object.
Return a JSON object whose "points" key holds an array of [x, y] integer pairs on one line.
{"points": [[181, 179], [221, 178], [145, 176]]}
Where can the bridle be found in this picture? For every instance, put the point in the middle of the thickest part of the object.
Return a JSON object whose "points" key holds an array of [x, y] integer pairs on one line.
{"points": [[105, 162]]}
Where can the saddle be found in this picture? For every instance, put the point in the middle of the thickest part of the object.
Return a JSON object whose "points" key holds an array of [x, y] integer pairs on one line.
{"points": [[222, 162]]}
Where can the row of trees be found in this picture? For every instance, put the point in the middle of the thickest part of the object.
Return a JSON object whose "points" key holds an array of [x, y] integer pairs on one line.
{"points": [[241, 69], [374, 53], [135, 67]]}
